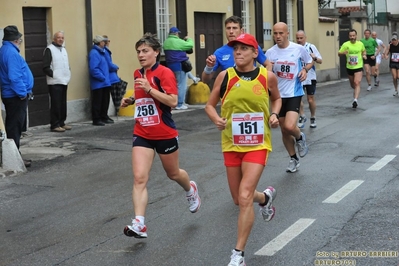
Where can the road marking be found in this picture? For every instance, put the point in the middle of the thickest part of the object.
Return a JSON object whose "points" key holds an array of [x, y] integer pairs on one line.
{"points": [[381, 163], [343, 192], [285, 237]]}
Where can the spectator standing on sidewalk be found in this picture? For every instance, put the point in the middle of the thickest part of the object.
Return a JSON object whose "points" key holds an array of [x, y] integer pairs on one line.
{"points": [[16, 83], [245, 92], [291, 63], [155, 93], [175, 53], [372, 49], [392, 53], [355, 52], [113, 72], [309, 85], [99, 82], [381, 52], [58, 74]]}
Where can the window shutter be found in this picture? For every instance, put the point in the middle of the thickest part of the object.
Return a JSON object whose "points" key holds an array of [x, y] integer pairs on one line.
{"points": [[181, 17], [283, 11], [237, 8], [149, 16], [259, 22]]}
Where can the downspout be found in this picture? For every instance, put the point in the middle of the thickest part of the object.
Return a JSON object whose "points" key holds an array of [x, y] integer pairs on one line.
{"points": [[89, 25], [274, 12]]}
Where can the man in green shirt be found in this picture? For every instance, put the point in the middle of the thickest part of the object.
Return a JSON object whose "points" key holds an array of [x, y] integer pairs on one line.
{"points": [[372, 49], [355, 52]]}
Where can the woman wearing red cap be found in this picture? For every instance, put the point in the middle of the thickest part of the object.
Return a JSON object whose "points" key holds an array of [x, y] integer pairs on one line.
{"points": [[245, 92]]}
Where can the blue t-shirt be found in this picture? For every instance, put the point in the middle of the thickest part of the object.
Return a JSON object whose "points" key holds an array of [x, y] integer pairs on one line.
{"points": [[225, 57]]}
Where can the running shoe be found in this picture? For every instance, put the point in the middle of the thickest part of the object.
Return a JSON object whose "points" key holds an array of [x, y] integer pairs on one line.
{"points": [[182, 107], [396, 93], [377, 82], [236, 259], [313, 122], [196, 80], [301, 122], [293, 166], [194, 200], [268, 210], [137, 229], [354, 104], [302, 146], [369, 88]]}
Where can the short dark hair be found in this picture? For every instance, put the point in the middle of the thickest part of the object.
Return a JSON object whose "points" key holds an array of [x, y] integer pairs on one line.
{"points": [[233, 19], [152, 41], [352, 30], [367, 30]]}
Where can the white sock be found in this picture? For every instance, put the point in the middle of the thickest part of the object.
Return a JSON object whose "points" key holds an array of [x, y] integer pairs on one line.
{"points": [[140, 218], [190, 192]]}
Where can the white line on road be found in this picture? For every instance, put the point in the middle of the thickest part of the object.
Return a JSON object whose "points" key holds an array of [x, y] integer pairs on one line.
{"points": [[343, 192], [381, 163], [285, 237]]}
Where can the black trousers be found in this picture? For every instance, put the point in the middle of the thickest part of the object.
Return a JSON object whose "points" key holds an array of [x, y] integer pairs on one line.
{"points": [[15, 117], [100, 103], [58, 109]]}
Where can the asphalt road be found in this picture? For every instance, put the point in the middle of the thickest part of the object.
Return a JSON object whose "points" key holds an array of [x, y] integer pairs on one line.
{"points": [[342, 206]]}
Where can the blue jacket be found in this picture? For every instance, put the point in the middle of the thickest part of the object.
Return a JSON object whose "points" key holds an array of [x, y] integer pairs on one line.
{"points": [[113, 75], [98, 68], [175, 51], [16, 79]]}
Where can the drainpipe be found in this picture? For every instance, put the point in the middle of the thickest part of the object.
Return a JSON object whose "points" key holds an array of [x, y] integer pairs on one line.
{"points": [[2, 137], [89, 25], [274, 12]]}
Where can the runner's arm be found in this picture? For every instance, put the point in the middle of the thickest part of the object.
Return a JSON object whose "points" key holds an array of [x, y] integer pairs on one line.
{"points": [[210, 107]]}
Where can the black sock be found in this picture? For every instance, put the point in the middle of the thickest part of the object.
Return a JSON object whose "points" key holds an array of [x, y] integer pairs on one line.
{"points": [[294, 157], [266, 200], [242, 252]]}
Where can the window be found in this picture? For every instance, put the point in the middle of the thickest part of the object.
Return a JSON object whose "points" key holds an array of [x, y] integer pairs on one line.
{"points": [[245, 15], [163, 21], [290, 19]]}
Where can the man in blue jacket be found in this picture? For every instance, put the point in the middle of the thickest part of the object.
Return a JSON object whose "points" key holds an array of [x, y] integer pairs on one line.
{"points": [[99, 82], [16, 82], [175, 53]]}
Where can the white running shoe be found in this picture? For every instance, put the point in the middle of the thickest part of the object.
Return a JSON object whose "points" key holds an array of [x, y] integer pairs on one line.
{"points": [[302, 146], [182, 107], [313, 122], [194, 200], [396, 93], [369, 88], [196, 80], [268, 210], [236, 259], [293, 166], [137, 229]]}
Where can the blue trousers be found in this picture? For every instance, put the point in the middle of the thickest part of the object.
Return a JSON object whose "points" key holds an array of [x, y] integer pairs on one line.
{"points": [[181, 78]]}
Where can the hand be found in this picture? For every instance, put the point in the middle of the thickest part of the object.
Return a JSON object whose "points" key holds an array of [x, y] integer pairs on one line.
{"points": [[211, 61], [302, 75], [125, 102], [221, 123], [142, 83], [273, 121]]}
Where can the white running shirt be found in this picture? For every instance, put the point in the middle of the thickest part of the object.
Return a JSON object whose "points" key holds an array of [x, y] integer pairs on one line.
{"points": [[378, 57], [287, 63], [311, 49]]}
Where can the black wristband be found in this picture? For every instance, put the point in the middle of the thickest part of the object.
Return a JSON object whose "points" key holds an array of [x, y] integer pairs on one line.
{"points": [[276, 114]]}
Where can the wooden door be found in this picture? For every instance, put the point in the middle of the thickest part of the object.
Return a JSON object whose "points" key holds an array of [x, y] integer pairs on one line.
{"points": [[35, 42]]}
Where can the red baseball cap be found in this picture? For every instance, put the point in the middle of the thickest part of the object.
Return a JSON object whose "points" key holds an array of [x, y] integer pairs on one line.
{"points": [[246, 39]]}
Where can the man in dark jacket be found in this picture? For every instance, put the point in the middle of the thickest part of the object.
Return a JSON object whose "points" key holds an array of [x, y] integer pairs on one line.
{"points": [[16, 82]]}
